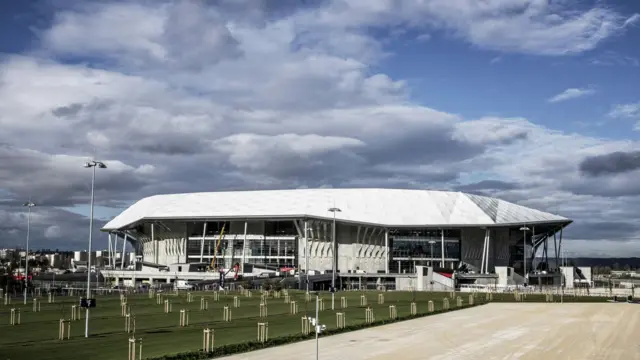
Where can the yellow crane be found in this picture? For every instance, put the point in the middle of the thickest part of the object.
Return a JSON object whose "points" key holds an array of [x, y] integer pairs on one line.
{"points": [[213, 261]]}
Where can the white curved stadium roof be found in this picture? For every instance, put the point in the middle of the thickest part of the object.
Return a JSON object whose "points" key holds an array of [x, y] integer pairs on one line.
{"points": [[384, 207]]}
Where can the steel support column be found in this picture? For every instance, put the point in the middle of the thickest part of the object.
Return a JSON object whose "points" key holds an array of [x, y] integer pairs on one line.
{"points": [[244, 246], [124, 244]]}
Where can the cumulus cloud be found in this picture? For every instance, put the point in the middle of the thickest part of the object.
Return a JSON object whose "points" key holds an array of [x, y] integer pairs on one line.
{"points": [[625, 111], [202, 96], [571, 93]]}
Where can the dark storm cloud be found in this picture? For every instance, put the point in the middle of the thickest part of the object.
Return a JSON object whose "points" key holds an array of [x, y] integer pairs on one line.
{"points": [[603, 186], [176, 144], [196, 37], [614, 163], [599, 230], [488, 185], [69, 110], [73, 229], [422, 147], [61, 181]]}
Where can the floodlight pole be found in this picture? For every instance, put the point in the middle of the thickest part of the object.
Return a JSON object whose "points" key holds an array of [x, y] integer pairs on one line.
{"points": [[317, 325], [90, 164], [29, 205], [334, 210]]}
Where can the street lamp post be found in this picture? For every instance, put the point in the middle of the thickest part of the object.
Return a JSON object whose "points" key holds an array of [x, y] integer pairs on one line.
{"points": [[431, 242], [334, 210], [93, 164], [29, 205], [524, 250]]}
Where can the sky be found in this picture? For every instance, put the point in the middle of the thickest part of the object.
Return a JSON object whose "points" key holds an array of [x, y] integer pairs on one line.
{"points": [[535, 102]]}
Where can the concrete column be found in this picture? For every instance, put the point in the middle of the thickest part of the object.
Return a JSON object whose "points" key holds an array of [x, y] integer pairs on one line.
{"points": [[386, 251], [153, 244]]}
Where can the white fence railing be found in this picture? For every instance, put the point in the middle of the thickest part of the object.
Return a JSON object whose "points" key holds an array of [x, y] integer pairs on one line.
{"points": [[601, 291]]}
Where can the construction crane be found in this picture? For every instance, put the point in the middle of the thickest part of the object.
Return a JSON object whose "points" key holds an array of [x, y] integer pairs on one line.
{"points": [[213, 261]]}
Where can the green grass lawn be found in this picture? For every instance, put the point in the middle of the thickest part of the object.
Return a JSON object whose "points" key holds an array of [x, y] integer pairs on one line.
{"points": [[36, 336]]}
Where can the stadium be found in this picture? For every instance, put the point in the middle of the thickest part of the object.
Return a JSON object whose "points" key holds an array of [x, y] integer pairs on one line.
{"points": [[380, 234]]}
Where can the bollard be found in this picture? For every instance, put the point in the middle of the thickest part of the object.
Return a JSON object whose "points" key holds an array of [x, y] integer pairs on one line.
{"points": [[216, 296], [36, 305], [286, 299], [52, 298], [124, 309], [277, 294], [458, 301], [226, 314], [167, 306], [189, 298], [321, 304], [263, 299], [368, 316], [236, 302], [488, 296], [64, 325], [7, 299], [293, 307], [247, 293], [340, 320], [363, 300], [452, 294], [204, 304], [15, 317], [207, 339], [471, 299], [307, 297], [343, 302], [151, 293], [393, 314], [263, 310], [184, 318], [135, 354], [430, 306], [445, 304], [129, 323], [263, 332], [380, 299], [414, 308], [159, 299], [305, 325], [76, 313], [123, 299]]}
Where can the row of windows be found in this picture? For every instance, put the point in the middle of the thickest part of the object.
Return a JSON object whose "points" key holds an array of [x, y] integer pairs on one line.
{"points": [[271, 228], [424, 249], [255, 247]]}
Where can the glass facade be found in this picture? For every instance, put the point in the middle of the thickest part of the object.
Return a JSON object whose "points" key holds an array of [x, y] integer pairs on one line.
{"points": [[276, 246], [425, 244]]}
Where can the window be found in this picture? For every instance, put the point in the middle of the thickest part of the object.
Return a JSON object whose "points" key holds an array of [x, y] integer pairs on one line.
{"points": [[275, 228]]}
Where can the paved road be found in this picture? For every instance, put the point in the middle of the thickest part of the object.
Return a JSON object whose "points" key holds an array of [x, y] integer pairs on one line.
{"points": [[494, 331]]}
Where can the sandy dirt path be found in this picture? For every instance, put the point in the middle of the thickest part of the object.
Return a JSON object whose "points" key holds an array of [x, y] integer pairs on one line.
{"points": [[494, 331]]}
